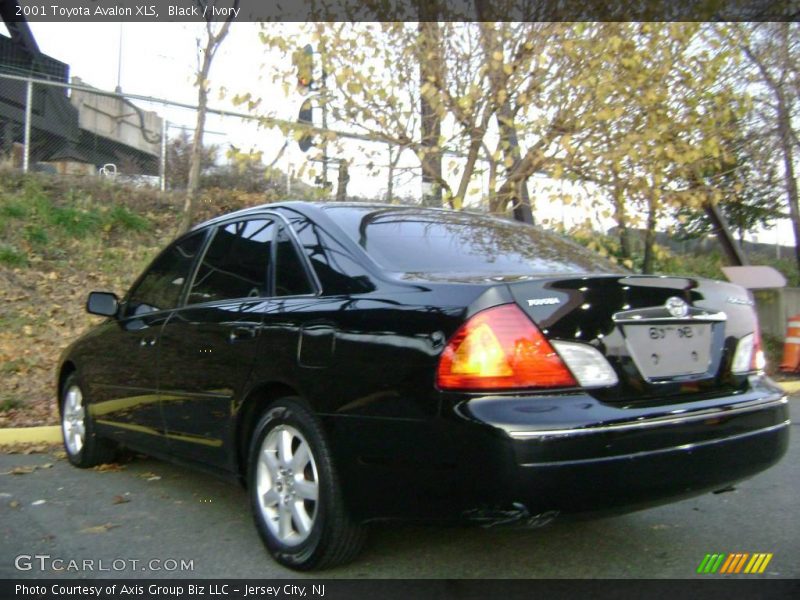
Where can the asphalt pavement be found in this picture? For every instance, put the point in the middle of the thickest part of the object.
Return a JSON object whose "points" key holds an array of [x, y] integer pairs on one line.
{"points": [[150, 519]]}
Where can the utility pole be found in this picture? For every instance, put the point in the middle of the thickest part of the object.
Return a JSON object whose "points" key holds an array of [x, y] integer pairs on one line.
{"points": [[26, 152], [303, 60], [323, 88], [163, 169]]}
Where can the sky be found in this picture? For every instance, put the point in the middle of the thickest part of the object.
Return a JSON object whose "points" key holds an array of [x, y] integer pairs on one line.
{"points": [[159, 60]]}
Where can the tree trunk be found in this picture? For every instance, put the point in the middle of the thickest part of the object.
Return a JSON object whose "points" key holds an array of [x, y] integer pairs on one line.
{"points": [[621, 217], [784, 128], [650, 236], [469, 167], [196, 157], [521, 202], [733, 251], [431, 123], [786, 134], [520, 173], [343, 179], [509, 141], [393, 162]]}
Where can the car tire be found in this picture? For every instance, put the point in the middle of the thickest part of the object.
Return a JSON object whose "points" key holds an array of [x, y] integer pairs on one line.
{"points": [[83, 447], [295, 493]]}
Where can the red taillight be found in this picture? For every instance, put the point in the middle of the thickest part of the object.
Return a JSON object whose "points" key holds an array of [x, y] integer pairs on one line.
{"points": [[758, 362], [500, 348]]}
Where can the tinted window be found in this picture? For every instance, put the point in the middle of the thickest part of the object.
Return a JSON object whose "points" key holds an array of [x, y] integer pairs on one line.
{"points": [[160, 289], [336, 270], [236, 262], [290, 275], [412, 240]]}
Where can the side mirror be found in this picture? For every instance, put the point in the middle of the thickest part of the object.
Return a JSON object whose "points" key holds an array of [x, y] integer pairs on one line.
{"points": [[104, 304]]}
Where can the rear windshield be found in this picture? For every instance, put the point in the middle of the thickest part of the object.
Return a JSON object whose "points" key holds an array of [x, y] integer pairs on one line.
{"points": [[414, 240]]}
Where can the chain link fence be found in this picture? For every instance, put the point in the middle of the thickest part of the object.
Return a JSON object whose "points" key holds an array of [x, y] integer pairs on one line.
{"points": [[70, 128]]}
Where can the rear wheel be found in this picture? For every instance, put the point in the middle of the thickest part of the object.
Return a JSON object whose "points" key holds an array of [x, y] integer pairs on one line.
{"points": [[84, 448], [295, 494]]}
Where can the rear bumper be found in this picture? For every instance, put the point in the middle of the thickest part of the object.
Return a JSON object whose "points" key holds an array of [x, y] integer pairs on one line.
{"points": [[521, 453], [637, 480]]}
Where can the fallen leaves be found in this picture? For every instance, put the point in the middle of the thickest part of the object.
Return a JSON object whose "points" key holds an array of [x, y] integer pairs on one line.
{"points": [[21, 470], [100, 528], [27, 469], [109, 467], [42, 304], [33, 333], [25, 448], [149, 476], [120, 499]]}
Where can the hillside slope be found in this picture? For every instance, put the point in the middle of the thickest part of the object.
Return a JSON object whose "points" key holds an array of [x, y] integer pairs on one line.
{"points": [[61, 238]]}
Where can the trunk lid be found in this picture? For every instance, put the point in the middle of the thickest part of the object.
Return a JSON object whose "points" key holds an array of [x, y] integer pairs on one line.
{"points": [[664, 336]]}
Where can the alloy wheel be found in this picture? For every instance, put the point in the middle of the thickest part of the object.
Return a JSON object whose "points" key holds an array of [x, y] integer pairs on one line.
{"points": [[72, 420], [287, 484]]}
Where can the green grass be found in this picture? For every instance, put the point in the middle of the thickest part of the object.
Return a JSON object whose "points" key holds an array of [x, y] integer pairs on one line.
{"points": [[120, 216], [14, 366], [9, 403], [36, 235], [39, 220], [73, 222], [11, 257], [14, 209]]}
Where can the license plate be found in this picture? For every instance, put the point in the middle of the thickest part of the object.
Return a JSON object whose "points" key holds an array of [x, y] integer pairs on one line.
{"points": [[669, 350]]}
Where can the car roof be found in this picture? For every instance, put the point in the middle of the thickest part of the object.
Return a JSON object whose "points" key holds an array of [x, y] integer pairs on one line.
{"points": [[306, 206]]}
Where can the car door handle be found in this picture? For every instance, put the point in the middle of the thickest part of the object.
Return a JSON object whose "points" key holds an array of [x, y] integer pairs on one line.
{"points": [[238, 334], [147, 341]]}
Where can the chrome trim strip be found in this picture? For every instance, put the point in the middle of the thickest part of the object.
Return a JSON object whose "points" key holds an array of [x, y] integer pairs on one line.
{"points": [[661, 314], [656, 422], [705, 318], [681, 448]]}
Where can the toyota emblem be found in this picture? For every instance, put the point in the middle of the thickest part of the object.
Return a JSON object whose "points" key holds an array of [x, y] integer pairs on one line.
{"points": [[677, 307]]}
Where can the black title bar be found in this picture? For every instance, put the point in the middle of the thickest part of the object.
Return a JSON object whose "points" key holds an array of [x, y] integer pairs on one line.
{"points": [[162, 11], [344, 589]]}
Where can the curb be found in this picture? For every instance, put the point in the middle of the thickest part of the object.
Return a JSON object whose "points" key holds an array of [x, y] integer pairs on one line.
{"points": [[30, 435], [790, 387], [52, 433]]}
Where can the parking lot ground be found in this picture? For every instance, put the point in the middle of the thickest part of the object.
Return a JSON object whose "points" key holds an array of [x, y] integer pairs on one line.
{"points": [[134, 520]]}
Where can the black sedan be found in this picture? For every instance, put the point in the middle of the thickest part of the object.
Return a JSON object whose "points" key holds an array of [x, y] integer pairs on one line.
{"points": [[353, 362]]}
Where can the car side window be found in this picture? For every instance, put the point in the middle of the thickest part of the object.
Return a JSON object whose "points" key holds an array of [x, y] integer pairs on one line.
{"points": [[236, 262], [160, 287], [290, 275], [336, 271]]}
